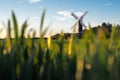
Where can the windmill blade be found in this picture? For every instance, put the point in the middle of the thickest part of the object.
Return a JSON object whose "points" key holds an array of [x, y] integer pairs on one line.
{"points": [[85, 13], [74, 15], [75, 25], [83, 25]]}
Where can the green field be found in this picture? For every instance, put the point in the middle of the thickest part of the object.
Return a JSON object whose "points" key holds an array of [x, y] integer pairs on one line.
{"points": [[95, 56]]}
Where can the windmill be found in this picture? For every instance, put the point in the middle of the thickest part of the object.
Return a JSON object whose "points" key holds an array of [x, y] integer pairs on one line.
{"points": [[79, 22]]}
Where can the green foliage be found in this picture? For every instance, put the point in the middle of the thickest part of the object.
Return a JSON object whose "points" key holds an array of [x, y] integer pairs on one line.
{"points": [[93, 57]]}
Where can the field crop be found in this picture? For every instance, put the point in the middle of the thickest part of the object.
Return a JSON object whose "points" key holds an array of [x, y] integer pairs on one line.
{"points": [[93, 57]]}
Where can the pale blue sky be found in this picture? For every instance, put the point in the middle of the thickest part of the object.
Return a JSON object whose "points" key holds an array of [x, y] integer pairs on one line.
{"points": [[58, 12]]}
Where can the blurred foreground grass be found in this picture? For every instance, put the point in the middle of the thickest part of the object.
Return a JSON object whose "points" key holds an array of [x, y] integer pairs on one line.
{"points": [[94, 57]]}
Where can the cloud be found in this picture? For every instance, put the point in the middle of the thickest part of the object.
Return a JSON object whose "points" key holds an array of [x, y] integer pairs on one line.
{"points": [[34, 1], [30, 1], [108, 4], [60, 18], [66, 15]]}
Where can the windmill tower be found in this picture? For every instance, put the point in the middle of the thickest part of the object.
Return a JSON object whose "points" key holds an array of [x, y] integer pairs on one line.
{"points": [[79, 22]]}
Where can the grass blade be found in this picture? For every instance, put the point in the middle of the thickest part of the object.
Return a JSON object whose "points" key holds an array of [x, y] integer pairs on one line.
{"points": [[15, 24], [42, 22]]}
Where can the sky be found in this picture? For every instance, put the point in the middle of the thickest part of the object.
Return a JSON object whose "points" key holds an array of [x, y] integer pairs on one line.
{"points": [[58, 13]]}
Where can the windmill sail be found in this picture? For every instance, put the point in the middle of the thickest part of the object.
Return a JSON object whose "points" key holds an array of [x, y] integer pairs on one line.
{"points": [[85, 13], [74, 15], [83, 16], [79, 20], [75, 25], [84, 25]]}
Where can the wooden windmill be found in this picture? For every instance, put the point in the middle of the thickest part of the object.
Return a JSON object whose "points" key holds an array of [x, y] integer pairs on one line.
{"points": [[79, 22]]}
